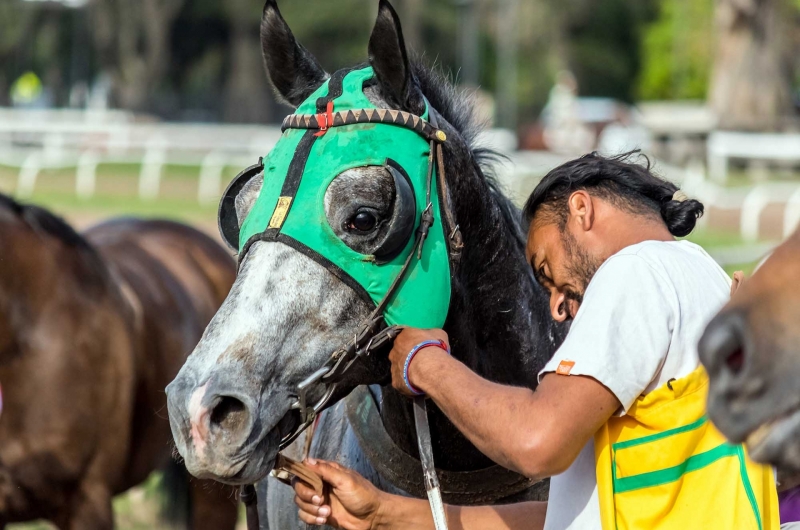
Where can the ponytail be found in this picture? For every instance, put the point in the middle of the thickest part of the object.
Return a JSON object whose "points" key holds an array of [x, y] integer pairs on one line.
{"points": [[681, 216], [623, 182]]}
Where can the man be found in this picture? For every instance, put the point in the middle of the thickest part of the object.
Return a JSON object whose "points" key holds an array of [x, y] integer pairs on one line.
{"points": [[618, 418]]}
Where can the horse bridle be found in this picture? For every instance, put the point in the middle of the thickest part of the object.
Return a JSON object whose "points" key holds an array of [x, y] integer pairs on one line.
{"points": [[371, 335]]}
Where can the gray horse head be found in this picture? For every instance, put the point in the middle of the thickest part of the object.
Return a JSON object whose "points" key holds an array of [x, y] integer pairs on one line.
{"points": [[287, 312]]}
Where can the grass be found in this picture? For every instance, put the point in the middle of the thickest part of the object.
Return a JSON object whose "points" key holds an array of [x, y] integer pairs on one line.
{"points": [[746, 268], [716, 238], [115, 181], [171, 207], [138, 509], [116, 194], [741, 178]]}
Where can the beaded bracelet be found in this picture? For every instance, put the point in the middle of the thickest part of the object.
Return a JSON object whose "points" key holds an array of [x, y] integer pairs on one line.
{"points": [[422, 345]]}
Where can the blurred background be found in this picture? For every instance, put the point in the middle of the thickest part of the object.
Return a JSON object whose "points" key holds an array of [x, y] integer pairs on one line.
{"points": [[149, 107]]}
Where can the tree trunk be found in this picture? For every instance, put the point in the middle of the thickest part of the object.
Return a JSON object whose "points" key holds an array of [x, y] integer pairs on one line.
{"points": [[751, 82], [246, 96], [17, 21], [133, 41]]}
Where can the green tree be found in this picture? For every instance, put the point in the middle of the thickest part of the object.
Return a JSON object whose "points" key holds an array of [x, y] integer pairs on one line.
{"points": [[678, 49], [603, 44]]}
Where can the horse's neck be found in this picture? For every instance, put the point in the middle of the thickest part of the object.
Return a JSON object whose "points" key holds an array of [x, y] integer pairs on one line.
{"points": [[498, 323]]}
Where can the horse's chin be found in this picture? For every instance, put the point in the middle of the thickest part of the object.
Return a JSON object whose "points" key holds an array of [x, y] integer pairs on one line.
{"points": [[777, 441]]}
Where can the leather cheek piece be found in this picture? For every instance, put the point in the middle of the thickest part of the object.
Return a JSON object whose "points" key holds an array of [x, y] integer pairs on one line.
{"points": [[404, 215], [227, 220]]}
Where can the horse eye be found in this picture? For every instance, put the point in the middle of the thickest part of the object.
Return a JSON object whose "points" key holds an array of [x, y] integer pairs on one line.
{"points": [[362, 222]]}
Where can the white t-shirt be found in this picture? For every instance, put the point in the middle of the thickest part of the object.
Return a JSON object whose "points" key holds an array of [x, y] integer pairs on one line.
{"points": [[638, 327]]}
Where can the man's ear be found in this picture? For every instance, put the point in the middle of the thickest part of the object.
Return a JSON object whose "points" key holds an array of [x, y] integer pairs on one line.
{"points": [[581, 208]]}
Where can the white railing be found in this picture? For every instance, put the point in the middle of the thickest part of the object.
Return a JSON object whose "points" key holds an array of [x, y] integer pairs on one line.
{"points": [[36, 140], [32, 141], [722, 146]]}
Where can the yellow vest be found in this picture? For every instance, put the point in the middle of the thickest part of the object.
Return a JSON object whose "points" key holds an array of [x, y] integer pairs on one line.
{"points": [[663, 466]]}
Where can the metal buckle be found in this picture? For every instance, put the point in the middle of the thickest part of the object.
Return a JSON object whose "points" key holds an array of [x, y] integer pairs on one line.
{"points": [[338, 364], [454, 232], [308, 414]]}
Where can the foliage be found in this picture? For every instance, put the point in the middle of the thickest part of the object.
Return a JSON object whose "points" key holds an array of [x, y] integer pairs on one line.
{"points": [[604, 45], [616, 48], [678, 50]]}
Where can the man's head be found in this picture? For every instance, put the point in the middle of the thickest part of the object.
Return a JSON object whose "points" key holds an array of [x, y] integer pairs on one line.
{"points": [[588, 209]]}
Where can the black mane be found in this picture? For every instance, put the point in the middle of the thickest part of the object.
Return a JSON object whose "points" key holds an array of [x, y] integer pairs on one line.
{"points": [[456, 106]]}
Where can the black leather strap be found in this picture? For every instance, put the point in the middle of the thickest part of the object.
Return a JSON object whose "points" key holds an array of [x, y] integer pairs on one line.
{"points": [[329, 265]]}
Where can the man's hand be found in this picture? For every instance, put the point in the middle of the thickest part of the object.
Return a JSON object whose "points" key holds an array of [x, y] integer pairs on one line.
{"points": [[403, 344], [351, 502]]}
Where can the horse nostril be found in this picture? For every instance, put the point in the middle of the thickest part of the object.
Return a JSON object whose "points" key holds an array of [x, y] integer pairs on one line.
{"points": [[229, 414], [735, 360], [722, 346]]}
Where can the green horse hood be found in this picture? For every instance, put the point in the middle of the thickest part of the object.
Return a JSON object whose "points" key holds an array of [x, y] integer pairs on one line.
{"points": [[336, 129]]}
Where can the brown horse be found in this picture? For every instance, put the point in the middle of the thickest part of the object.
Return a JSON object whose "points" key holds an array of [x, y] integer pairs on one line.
{"points": [[92, 328], [751, 351]]}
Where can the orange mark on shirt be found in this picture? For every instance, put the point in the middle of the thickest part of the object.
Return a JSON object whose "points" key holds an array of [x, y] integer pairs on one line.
{"points": [[565, 367]]}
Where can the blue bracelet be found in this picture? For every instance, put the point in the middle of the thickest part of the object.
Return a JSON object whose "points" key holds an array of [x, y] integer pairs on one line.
{"points": [[425, 344]]}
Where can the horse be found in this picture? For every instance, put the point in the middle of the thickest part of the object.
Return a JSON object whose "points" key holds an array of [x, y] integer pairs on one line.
{"points": [[92, 327], [750, 353], [236, 398]]}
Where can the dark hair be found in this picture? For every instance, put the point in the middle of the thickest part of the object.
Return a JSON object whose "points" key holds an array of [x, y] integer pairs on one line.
{"points": [[625, 183]]}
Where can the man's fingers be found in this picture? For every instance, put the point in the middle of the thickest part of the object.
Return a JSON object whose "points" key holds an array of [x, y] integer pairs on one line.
{"points": [[311, 508], [311, 519], [306, 492], [335, 476]]}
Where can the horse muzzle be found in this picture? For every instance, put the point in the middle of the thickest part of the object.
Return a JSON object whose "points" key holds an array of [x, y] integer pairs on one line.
{"points": [[219, 434], [752, 396]]}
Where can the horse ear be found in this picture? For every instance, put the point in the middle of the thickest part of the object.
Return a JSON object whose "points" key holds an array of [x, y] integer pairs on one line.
{"points": [[389, 58], [293, 71]]}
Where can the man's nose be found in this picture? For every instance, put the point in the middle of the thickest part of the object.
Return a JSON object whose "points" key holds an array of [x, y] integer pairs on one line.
{"points": [[558, 305]]}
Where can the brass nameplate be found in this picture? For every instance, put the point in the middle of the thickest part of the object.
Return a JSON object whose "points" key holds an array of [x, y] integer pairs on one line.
{"points": [[280, 212]]}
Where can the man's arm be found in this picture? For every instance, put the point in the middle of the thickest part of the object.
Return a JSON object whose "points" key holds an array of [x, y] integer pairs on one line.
{"points": [[402, 512], [353, 503], [538, 434]]}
